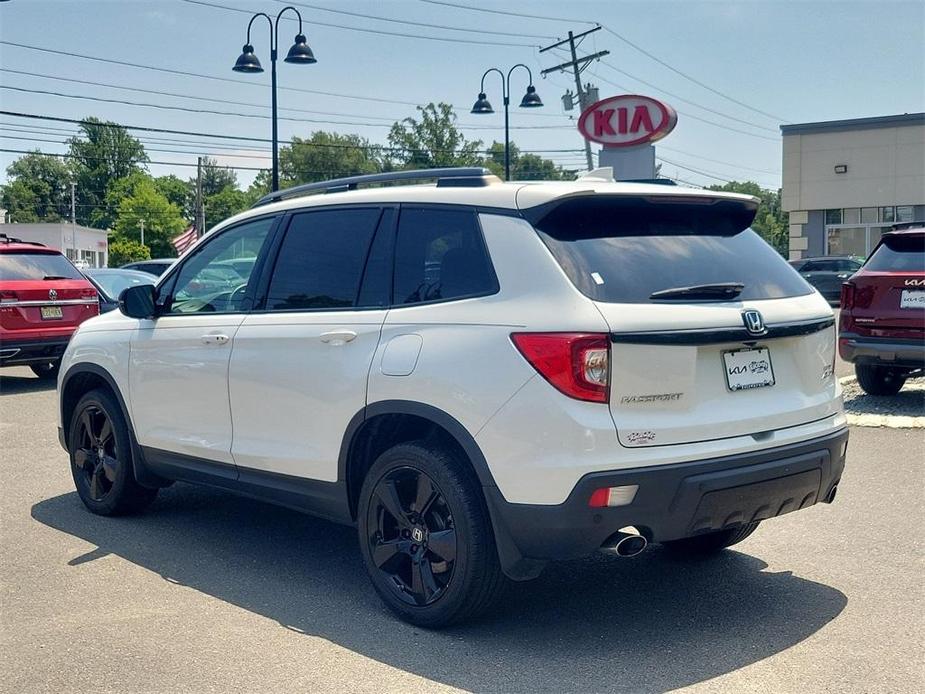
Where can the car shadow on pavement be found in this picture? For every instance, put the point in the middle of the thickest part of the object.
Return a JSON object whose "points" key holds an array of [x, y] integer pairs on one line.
{"points": [[648, 624], [15, 385]]}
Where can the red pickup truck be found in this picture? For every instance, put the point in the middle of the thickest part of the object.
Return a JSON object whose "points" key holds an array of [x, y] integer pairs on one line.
{"points": [[43, 298], [882, 322]]}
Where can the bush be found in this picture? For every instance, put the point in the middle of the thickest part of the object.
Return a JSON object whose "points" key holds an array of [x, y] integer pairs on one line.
{"points": [[123, 250]]}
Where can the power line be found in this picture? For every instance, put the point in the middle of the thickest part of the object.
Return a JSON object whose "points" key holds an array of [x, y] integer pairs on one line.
{"points": [[504, 12], [717, 161], [408, 22], [380, 32]]}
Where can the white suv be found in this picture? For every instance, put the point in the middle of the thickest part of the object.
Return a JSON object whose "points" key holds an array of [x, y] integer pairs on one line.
{"points": [[481, 376]]}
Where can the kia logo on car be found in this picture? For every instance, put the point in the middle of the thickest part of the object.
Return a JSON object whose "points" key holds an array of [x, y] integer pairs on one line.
{"points": [[52, 294], [754, 323]]}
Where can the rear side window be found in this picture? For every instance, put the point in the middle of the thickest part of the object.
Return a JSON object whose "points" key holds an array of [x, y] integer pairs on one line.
{"points": [[36, 266], [440, 256], [321, 260], [624, 250], [900, 253]]}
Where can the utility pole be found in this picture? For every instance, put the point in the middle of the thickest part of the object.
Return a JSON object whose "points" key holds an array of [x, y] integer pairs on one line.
{"points": [[142, 232], [200, 221], [73, 221], [577, 65]]}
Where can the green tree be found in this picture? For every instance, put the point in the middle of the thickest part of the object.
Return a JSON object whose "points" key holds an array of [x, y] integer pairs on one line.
{"points": [[101, 154], [325, 155], [163, 221], [38, 189], [433, 140], [123, 250], [225, 203], [524, 167], [770, 220], [215, 178], [179, 192]]}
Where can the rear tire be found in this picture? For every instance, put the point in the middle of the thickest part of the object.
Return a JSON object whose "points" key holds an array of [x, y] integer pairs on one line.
{"points": [[710, 543], [879, 380], [100, 449], [46, 370], [426, 537]]}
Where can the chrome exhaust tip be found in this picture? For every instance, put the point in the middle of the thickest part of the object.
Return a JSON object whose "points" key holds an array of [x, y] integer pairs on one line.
{"points": [[626, 542]]}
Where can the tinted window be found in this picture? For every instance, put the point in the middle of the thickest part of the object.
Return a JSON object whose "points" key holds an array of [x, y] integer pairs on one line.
{"points": [[321, 260], [36, 266], [816, 266], [439, 256], [846, 265], [208, 282], [899, 253], [625, 250]]}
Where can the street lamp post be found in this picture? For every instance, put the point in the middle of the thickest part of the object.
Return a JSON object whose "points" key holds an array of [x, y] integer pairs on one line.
{"points": [[531, 100], [299, 53]]}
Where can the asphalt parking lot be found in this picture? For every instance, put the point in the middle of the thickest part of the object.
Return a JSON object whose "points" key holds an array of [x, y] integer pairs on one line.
{"points": [[211, 592]]}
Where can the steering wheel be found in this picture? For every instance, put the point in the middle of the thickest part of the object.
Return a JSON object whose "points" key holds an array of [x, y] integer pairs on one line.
{"points": [[237, 295]]}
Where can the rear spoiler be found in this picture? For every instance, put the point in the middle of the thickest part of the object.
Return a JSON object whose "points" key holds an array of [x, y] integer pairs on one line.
{"points": [[721, 214]]}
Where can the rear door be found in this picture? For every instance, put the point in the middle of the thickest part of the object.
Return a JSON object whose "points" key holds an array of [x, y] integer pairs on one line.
{"points": [[890, 289], [300, 363], [751, 351], [42, 295]]}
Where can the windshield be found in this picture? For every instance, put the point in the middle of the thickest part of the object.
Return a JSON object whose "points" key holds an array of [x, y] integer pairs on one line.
{"points": [[899, 253], [113, 283], [623, 253], [36, 266]]}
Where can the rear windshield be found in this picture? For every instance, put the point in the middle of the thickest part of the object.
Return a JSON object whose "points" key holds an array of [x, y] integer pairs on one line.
{"points": [[36, 266], [901, 253], [624, 251]]}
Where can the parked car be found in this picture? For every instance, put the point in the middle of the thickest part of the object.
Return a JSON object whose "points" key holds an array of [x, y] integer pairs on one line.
{"points": [[43, 298], [154, 267], [110, 282], [826, 273], [481, 376], [882, 321]]}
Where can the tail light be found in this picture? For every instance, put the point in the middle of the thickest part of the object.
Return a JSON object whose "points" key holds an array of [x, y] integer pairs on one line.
{"points": [[577, 364], [847, 295], [8, 296], [88, 293]]}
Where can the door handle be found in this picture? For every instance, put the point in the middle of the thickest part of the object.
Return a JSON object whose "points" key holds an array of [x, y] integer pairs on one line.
{"points": [[214, 339], [338, 337]]}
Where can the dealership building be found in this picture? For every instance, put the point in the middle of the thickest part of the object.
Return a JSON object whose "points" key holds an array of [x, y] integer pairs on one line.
{"points": [[75, 241], [846, 181]]}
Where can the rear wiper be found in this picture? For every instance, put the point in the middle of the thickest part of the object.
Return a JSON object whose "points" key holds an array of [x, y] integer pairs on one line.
{"points": [[55, 277], [720, 290]]}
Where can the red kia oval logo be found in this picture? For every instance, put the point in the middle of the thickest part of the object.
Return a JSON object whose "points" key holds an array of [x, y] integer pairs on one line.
{"points": [[627, 120]]}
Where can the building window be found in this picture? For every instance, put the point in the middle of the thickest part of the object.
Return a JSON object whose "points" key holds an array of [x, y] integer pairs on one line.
{"points": [[869, 215], [887, 214], [851, 215], [833, 216], [905, 213]]}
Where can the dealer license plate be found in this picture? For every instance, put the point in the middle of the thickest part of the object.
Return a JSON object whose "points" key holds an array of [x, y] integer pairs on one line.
{"points": [[748, 368], [51, 312], [912, 299]]}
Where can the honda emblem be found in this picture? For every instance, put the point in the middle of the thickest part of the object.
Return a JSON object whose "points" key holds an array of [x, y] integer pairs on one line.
{"points": [[754, 323]]}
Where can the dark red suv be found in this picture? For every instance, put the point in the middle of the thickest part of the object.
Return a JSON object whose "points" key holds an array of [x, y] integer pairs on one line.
{"points": [[882, 323], [43, 298]]}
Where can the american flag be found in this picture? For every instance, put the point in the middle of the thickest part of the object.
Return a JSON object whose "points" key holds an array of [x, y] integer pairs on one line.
{"points": [[185, 240]]}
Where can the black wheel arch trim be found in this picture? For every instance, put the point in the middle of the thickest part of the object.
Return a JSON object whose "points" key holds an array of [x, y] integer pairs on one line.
{"points": [[143, 476]]}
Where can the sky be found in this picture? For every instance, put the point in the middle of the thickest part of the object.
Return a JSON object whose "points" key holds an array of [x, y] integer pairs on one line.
{"points": [[734, 70]]}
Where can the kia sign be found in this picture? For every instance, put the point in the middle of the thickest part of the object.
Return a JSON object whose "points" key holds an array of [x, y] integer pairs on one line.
{"points": [[626, 121]]}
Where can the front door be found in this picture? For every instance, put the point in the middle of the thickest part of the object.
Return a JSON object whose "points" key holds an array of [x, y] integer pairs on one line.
{"points": [[178, 373], [299, 366]]}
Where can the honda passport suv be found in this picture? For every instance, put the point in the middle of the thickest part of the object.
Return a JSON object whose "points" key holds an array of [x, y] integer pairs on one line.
{"points": [[882, 321], [480, 376], [43, 298]]}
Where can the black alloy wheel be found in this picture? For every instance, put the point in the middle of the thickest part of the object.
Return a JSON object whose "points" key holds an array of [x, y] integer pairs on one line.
{"points": [[96, 462], [412, 537]]}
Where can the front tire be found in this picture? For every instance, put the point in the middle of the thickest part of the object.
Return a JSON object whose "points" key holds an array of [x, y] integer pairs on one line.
{"points": [[101, 457], [710, 543], [46, 370], [426, 537], [879, 380]]}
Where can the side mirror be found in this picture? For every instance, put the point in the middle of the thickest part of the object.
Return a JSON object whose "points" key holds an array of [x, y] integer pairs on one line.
{"points": [[138, 301]]}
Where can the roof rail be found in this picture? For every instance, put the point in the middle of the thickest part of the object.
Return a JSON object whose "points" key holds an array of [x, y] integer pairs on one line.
{"points": [[454, 176], [12, 239]]}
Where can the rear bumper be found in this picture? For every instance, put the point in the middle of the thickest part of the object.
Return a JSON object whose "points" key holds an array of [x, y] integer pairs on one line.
{"points": [[673, 501], [13, 352], [881, 351]]}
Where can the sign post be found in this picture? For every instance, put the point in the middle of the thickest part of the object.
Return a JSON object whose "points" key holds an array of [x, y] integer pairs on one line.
{"points": [[626, 126]]}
